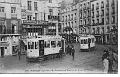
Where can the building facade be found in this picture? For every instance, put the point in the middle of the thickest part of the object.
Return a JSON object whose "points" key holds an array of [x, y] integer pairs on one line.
{"points": [[10, 16], [84, 19], [104, 14], [41, 15], [100, 18], [10, 26], [69, 19]]}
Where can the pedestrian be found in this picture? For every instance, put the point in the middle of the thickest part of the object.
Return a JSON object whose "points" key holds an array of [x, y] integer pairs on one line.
{"points": [[105, 61], [19, 54], [73, 52], [68, 50], [111, 59], [89, 44]]}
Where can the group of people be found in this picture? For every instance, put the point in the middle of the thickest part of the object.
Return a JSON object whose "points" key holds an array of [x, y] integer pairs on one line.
{"points": [[108, 59], [70, 50]]}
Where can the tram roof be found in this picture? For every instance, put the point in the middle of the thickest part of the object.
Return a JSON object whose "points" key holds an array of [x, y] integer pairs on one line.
{"points": [[46, 37], [10, 34]]}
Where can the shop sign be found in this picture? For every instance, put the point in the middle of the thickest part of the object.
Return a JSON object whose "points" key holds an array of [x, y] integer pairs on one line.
{"points": [[4, 44], [29, 22]]}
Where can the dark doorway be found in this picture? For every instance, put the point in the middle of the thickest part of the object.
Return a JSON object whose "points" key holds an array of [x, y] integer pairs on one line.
{"points": [[2, 51]]}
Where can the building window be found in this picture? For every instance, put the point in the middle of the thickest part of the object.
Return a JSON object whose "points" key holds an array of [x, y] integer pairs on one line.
{"points": [[72, 24], [102, 21], [13, 9], [14, 29], [36, 16], [97, 6], [107, 11], [108, 29], [69, 24], [35, 6], [107, 20], [93, 22], [75, 22], [97, 15], [69, 17], [51, 11], [97, 21], [50, 1], [113, 3], [98, 30], [29, 17], [113, 10], [102, 4], [72, 16], [92, 14], [2, 9], [113, 19], [93, 30], [103, 30], [63, 18], [92, 7], [80, 22], [29, 5], [102, 13], [107, 5], [75, 16], [66, 18]]}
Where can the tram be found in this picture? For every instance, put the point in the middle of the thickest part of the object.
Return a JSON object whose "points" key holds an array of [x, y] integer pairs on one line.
{"points": [[86, 42], [45, 47]]}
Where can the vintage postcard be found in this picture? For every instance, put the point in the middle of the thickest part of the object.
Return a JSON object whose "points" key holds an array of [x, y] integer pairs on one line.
{"points": [[59, 36]]}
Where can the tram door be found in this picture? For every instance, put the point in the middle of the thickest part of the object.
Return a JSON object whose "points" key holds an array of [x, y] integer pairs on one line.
{"points": [[41, 47]]}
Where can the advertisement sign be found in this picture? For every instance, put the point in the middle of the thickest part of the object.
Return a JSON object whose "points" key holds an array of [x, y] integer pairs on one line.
{"points": [[4, 44]]}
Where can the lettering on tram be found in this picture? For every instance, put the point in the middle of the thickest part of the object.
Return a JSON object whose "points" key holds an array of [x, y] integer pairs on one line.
{"points": [[45, 47]]}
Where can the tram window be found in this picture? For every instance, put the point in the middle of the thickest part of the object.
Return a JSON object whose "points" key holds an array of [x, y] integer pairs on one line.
{"points": [[59, 44], [36, 45], [82, 42], [29, 45], [85, 41], [53, 43], [32, 46], [47, 44]]}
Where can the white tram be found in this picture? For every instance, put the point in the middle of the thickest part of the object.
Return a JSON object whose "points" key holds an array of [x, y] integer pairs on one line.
{"points": [[87, 40], [44, 47]]}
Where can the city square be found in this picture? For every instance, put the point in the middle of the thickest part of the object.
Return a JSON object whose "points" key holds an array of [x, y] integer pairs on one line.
{"points": [[59, 36]]}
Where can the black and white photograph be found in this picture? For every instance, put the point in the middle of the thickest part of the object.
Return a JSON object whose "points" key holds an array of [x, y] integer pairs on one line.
{"points": [[58, 36]]}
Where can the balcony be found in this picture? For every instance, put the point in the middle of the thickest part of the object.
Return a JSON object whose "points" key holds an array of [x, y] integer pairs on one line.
{"points": [[2, 15], [13, 15]]}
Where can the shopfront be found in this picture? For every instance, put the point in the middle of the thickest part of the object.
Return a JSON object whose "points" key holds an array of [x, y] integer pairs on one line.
{"points": [[3, 48], [9, 44], [33, 28]]}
